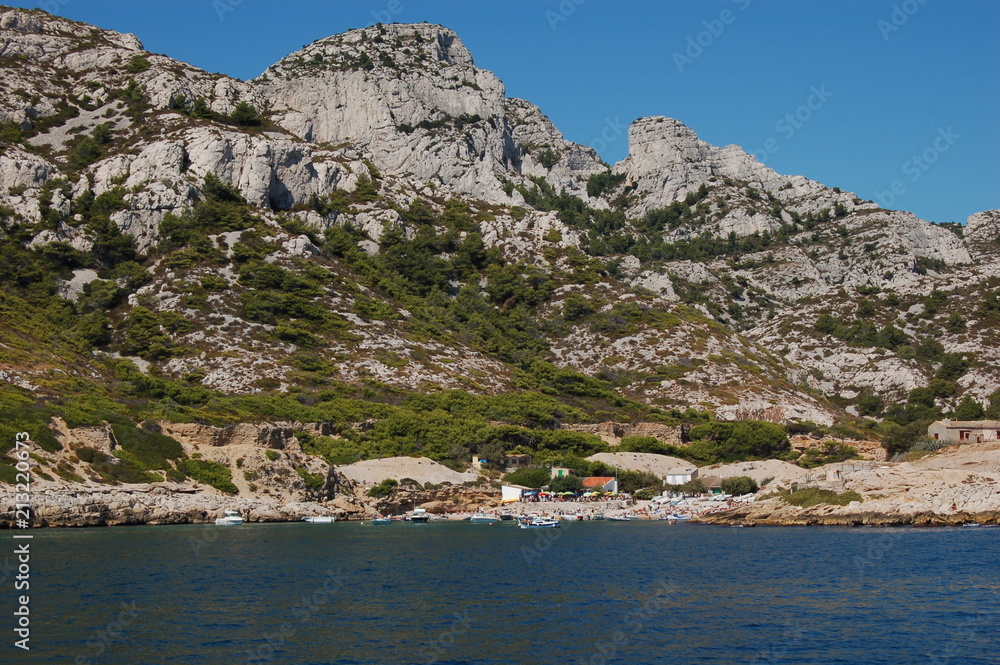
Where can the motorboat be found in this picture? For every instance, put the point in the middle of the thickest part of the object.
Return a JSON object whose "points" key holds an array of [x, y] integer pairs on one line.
{"points": [[571, 518], [540, 523], [229, 518], [320, 519], [382, 520], [484, 518], [420, 516], [620, 518]]}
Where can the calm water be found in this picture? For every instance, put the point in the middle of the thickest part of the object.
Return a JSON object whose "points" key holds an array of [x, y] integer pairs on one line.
{"points": [[462, 593]]}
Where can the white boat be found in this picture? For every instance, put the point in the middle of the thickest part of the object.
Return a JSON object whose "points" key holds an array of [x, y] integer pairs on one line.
{"points": [[230, 518], [484, 518], [620, 518], [320, 519], [540, 523], [420, 516], [571, 518], [381, 520]]}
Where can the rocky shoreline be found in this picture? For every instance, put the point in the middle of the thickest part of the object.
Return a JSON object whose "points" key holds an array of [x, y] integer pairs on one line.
{"points": [[155, 506], [757, 517]]}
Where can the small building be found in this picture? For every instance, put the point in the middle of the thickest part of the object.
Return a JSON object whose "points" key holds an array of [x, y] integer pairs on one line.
{"points": [[515, 462], [561, 471], [679, 474], [713, 484], [965, 431], [601, 484], [510, 493]]}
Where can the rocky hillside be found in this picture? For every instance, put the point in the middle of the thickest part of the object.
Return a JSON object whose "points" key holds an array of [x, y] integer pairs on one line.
{"points": [[372, 221]]}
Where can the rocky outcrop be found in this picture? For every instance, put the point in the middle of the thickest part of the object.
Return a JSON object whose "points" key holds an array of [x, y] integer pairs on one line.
{"points": [[410, 97], [958, 486], [982, 235], [277, 436], [667, 160], [538, 137], [112, 506], [613, 433]]}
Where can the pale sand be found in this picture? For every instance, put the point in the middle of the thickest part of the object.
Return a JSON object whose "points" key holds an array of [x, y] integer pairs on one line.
{"points": [[657, 465], [776, 470], [420, 469]]}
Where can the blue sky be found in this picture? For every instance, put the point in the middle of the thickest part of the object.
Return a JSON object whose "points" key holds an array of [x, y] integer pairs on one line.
{"points": [[895, 100]]}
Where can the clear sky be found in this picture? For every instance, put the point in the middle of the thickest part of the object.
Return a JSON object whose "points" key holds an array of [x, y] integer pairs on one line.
{"points": [[895, 100]]}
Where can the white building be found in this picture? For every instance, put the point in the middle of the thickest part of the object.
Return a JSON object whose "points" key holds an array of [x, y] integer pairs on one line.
{"points": [[510, 493]]}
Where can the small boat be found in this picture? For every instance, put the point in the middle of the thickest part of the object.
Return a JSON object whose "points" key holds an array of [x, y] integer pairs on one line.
{"points": [[620, 518], [483, 518], [320, 519], [540, 523], [597, 516], [506, 517], [420, 516], [229, 518], [382, 520], [571, 518]]}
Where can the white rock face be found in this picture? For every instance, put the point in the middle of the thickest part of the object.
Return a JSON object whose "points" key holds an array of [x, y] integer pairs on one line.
{"points": [[667, 160], [415, 102], [982, 235], [22, 169], [534, 132]]}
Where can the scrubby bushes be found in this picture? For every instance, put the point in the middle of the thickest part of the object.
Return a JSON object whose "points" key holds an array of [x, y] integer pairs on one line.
{"points": [[384, 489], [812, 496], [211, 473], [739, 485], [533, 477]]}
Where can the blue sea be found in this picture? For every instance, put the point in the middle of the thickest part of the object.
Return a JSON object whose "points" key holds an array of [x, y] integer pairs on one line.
{"points": [[595, 593]]}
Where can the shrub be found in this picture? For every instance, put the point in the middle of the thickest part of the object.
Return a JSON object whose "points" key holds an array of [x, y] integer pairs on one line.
{"points": [[739, 485], [694, 486], [831, 451], [271, 454], [548, 158], [245, 115], [566, 484], [740, 441], [137, 64], [313, 481], [211, 473], [813, 496], [152, 450], [969, 409], [201, 109], [533, 477], [383, 489], [86, 152]]}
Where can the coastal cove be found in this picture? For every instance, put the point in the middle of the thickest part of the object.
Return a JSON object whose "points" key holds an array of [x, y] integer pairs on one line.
{"points": [[593, 592]]}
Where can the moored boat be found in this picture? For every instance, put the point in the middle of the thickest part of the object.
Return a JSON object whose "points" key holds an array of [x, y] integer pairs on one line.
{"points": [[320, 519], [540, 523], [229, 518], [420, 516], [483, 518]]}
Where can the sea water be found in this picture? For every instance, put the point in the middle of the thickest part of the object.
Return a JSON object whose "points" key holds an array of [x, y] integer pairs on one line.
{"points": [[596, 593]]}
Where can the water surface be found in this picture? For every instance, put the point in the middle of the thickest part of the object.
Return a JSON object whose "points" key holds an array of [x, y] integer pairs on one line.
{"points": [[596, 593]]}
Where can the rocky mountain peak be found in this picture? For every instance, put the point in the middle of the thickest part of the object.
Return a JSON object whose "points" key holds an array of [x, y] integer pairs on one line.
{"points": [[667, 161], [411, 97]]}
